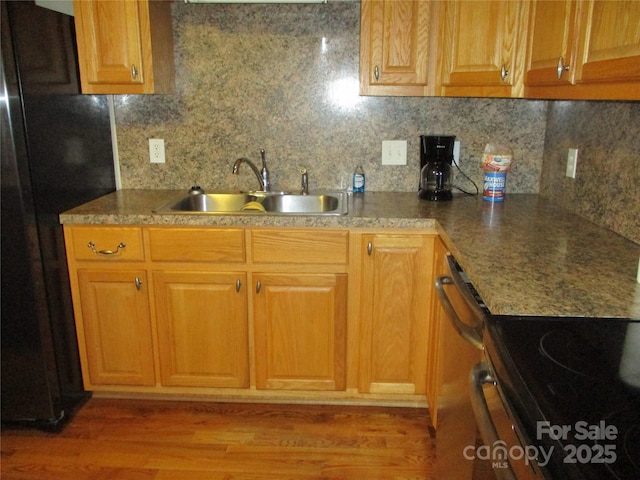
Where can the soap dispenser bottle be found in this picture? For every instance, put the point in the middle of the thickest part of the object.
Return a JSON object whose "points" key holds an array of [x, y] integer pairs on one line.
{"points": [[358, 180]]}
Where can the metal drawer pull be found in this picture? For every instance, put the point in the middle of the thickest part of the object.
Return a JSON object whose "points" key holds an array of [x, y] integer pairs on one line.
{"points": [[138, 283], [369, 248], [376, 73], [92, 246], [238, 285], [258, 286], [561, 68], [134, 72], [503, 73]]}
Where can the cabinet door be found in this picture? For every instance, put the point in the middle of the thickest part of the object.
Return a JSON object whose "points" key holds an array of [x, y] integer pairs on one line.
{"points": [[202, 329], [611, 43], [395, 313], [124, 46], [117, 327], [483, 48], [300, 331], [110, 40], [395, 56], [552, 46]]}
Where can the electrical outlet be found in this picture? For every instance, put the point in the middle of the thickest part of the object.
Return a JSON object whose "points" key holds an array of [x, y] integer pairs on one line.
{"points": [[572, 162], [394, 152], [156, 150]]}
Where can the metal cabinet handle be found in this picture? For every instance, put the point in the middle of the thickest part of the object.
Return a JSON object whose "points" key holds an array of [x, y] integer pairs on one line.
{"points": [[369, 248], [92, 246], [503, 73], [561, 68], [134, 72], [258, 286], [376, 73], [238, 285], [138, 283]]}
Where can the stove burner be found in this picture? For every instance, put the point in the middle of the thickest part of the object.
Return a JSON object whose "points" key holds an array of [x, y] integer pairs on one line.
{"points": [[567, 351], [627, 464]]}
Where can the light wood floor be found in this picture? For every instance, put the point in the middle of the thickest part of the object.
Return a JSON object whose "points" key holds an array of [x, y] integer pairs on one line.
{"points": [[161, 440]]}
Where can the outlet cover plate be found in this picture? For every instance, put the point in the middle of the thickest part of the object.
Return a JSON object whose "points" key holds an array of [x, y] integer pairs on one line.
{"points": [[156, 150], [394, 152]]}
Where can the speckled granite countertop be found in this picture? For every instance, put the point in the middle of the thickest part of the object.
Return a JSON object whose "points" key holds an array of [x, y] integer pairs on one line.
{"points": [[525, 256]]}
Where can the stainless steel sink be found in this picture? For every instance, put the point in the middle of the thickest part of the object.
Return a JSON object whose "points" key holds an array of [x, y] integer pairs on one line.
{"points": [[301, 203], [211, 203], [259, 203]]}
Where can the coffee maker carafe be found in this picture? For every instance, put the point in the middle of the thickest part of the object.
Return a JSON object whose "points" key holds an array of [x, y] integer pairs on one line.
{"points": [[436, 157]]}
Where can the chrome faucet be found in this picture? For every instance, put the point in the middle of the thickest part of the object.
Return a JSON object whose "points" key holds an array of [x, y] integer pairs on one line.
{"points": [[262, 174]]}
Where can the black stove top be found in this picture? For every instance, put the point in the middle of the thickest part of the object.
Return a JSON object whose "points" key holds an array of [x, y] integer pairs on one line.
{"points": [[574, 383]]}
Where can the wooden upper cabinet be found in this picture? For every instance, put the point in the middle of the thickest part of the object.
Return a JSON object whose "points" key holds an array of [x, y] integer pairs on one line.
{"points": [[552, 43], [610, 49], [482, 48], [600, 45], [124, 46], [396, 56]]}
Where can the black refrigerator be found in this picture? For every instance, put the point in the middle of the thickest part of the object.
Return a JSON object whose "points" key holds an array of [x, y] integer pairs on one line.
{"points": [[56, 154]]}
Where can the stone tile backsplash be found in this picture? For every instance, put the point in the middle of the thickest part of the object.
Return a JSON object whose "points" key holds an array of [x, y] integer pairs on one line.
{"points": [[285, 78], [606, 189]]}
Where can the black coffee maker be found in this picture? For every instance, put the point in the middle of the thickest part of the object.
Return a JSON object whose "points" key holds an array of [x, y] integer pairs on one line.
{"points": [[436, 157]]}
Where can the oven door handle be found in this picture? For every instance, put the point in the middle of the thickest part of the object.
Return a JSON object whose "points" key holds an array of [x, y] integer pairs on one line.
{"points": [[469, 333], [464, 291], [481, 375]]}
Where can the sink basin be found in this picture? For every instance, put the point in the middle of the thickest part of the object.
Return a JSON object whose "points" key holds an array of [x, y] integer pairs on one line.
{"points": [[212, 203], [259, 203], [300, 203]]}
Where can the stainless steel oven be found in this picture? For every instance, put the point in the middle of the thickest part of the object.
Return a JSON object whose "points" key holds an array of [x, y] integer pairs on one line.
{"points": [[571, 390], [554, 398], [460, 349], [506, 446], [471, 403]]}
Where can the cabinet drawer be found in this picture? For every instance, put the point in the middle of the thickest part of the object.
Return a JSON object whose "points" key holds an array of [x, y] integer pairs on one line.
{"points": [[107, 243], [197, 244], [300, 246]]}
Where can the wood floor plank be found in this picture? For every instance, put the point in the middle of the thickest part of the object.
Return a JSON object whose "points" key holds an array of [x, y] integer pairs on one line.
{"points": [[159, 440]]}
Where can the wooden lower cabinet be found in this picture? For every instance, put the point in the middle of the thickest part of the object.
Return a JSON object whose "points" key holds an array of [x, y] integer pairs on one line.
{"points": [[300, 331], [397, 282], [116, 325], [255, 313], [434, 364], [202, 328]]}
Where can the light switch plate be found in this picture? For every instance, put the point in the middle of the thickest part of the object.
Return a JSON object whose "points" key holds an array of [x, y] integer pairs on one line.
{"points": [[572, 162], [394, 152]]}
